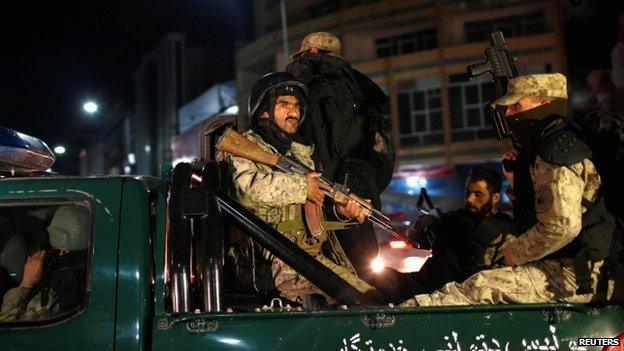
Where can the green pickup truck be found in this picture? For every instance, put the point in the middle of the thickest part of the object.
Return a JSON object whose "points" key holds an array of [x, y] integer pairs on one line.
{"points": [[156, 277]]}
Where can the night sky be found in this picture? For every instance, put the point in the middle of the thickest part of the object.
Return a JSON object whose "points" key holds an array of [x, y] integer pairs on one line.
{"points": [[56, 54], [591, 37]]}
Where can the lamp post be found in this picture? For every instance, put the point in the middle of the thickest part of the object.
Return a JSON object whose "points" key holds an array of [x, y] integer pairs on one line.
{"points": [[59, 149]]}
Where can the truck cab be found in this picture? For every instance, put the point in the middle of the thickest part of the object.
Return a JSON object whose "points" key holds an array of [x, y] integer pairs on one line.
{"points": [[155, 276]]}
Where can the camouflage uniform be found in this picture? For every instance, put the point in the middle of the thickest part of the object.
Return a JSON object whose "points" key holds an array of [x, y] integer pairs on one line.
{"points": [[16, 305], [323, 41], [543, 85], [277, 198], [560, 195]]}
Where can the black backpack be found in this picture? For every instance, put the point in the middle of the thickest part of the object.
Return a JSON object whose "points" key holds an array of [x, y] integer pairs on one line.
{"points": [[344, 121], [604, 134]]}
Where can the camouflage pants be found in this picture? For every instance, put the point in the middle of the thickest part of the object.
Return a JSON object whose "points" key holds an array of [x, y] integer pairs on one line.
{"points": [[535, 282], [294, 287], [16, 306]]}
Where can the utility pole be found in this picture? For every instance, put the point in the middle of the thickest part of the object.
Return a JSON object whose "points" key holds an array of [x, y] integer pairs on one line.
{"points": [[284, 30]]}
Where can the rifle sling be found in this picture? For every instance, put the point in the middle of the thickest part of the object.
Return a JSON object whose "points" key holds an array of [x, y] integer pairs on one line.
{"points": [[297, 224]]}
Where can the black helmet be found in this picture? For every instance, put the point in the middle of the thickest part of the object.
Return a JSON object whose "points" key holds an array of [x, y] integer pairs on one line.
{"points": [[272, 85]]}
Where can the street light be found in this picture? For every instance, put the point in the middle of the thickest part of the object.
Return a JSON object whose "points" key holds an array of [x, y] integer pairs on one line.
{"points": [[59, 150], [90, 107]]}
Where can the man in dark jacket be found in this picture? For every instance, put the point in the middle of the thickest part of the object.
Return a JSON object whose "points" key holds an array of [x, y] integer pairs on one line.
{"points": [[466, 240], [351, 138]]}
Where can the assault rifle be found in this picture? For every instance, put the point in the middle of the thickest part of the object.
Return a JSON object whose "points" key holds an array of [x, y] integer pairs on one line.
{"points": [[420, 231], [236, 144], [423, 198], [501, 66]]}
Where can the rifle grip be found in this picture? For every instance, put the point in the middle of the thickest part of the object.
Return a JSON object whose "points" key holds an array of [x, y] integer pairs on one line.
{"points": [[366, 206], [313, 218]]}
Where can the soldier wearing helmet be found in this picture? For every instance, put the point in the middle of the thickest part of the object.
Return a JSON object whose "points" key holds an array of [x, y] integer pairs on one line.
{"points": [[54, 280], [277, 121], [561, 218], [276, 108], [345, 124]]}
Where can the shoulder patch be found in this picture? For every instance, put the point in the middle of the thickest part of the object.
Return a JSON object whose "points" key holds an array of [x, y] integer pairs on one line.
{"points": [[543, 199], [563, 148]]}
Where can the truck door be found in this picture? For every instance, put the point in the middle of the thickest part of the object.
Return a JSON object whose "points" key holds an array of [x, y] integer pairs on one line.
{"points": [[64, 233], [203, 309]]}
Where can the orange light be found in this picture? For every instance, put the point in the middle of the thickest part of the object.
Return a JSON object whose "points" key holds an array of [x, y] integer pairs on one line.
{"points": [[398, 244], [377, 265], [618, 347]]}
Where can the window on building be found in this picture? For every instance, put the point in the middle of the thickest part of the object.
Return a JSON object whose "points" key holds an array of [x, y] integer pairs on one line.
{"points": [[470, 119], [271, 3], [420, 113], [536, 68], [511, 26], [350, 3], [424, 39], [385, 108], [322, 8]]}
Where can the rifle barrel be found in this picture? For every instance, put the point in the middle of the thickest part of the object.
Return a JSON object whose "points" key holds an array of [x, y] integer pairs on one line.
{"points": [[388, 228]]}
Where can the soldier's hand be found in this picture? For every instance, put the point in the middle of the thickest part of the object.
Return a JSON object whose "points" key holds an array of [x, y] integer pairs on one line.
{"points": [[33, 269], [508, 258], [316, 188], [352, 210], [418, 231], [512, 155]]}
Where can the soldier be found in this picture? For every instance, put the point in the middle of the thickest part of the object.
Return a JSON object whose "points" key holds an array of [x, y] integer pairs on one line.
{"points": [[276, 109], [54, 284], [556, 258], [345, 124], [465, 241]]}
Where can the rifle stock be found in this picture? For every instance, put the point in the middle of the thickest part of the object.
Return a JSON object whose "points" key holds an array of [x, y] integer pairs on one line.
{"points": [[236, 144]]}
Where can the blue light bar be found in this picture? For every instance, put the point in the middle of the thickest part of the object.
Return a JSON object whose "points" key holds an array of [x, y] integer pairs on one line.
{"points": [[21, 153]]}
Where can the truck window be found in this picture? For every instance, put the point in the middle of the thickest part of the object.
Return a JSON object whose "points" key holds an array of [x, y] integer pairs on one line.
{"points": [[44, 260]]}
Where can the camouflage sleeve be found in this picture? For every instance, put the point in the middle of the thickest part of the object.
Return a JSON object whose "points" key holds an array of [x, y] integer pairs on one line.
{"points": [[14, 304], [263, 185], [558, 194]]}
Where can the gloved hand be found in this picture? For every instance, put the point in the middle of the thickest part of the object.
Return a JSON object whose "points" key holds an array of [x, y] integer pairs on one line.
{"points": [[417, 232]]}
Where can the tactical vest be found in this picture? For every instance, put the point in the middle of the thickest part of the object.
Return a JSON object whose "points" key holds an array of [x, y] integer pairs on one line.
{"points": [[251, 263], [564, 147]]}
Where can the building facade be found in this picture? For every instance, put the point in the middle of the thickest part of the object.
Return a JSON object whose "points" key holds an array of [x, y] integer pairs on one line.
{"points": [[177, 71], [160, 92], [417, 51]]}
